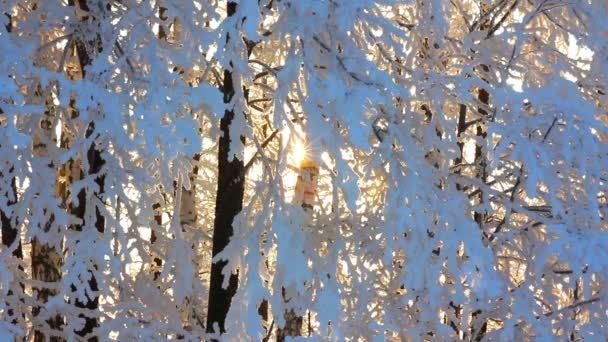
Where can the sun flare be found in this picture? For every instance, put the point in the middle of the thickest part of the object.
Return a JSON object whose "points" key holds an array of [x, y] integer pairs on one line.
{"points": [[299, 152]]}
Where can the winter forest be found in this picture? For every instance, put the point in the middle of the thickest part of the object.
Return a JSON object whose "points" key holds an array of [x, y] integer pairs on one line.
{"points": [[323, 170]]}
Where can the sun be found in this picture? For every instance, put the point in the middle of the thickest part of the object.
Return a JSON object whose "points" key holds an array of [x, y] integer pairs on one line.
{"points": [[299, 152]]}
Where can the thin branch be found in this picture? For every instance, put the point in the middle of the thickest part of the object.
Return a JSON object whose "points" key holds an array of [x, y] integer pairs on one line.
{"points": [[265, 99], [549, 130], [504, 17], [54, 41], [573, 306], [264, 144], [267, 338], [462, 13], [486, 14], [64, 55], [343, 66], [122, 53], [268, 68]]}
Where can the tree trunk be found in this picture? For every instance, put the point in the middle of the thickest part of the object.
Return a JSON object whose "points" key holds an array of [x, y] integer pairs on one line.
{"points": [[46, 260], [306, 192], [480, 218], [157, 261], [10, 233], [228, 203], [95, 162]]}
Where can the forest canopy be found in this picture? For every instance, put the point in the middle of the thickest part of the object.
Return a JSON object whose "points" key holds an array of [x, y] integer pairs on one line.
{"points": [[344, 170]]}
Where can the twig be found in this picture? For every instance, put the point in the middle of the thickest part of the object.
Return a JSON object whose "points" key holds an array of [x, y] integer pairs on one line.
{"points": [[573, 306], [264, 144]]}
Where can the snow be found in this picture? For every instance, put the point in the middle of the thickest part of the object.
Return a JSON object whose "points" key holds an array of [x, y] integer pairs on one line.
{"points": [[429, 228]]}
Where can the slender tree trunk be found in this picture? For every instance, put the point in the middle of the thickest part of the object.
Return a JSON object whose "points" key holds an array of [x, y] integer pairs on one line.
{"points": [[264, 308], [95, 162], [46, 260], [306, 191], [228, 203], [46, 266], [480, 218], [478, 330], [480, 161], [10, 233], [157, 261]]}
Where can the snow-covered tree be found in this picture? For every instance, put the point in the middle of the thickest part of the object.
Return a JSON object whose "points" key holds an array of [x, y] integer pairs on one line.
{"points": [[150, 151], [88, 82]]}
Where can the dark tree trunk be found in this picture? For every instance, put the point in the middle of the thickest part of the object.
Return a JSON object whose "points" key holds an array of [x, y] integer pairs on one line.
{"points": [[92, 303], [95, 162], [228, 203], [10, 234], [46, 266]]}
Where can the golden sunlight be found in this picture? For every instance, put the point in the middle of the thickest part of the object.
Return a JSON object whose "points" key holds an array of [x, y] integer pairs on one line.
{"points": [[299, 152]]}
